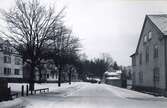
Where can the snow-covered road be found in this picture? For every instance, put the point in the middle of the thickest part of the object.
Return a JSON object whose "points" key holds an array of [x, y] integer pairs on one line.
{"points": [[86, 95]]}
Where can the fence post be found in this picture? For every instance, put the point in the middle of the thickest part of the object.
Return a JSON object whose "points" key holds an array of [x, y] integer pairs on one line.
{"points": [[26, 90], [22, 90], [9, 94]]}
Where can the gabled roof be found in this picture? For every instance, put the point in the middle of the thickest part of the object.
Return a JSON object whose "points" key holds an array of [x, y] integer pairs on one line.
{"points": [[160, 21]]}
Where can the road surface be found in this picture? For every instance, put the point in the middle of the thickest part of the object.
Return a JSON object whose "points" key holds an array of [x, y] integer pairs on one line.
{"points": [[87, 95]]}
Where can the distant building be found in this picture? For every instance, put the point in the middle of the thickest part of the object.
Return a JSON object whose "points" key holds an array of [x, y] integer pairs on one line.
{"points": [[48, 72], [45, 73], [112, 78], [10, 61], [149, 62]]}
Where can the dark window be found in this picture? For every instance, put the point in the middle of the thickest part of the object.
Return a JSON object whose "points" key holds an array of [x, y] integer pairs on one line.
{"points": [[7, 71], [141, 77], [134, 61], [52, 75], [7, 49], [156, 75], [140, 59], [147, 55], [16, 71], [47, 75], [7, 59], [134, 77], [155, 51]]}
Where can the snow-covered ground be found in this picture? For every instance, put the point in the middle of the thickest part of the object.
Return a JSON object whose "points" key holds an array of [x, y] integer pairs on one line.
{"points": [[86, 95], [52, 86], [16, 103]]}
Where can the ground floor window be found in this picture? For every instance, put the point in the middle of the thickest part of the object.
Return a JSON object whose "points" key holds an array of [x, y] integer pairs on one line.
{"points": [[47, 75], [134, 77], [141, 77], [7, 71], [17, 71], [156, 75]]}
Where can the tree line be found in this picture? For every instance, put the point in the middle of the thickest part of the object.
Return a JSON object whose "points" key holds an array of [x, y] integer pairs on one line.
{"points": [[95, 68]]}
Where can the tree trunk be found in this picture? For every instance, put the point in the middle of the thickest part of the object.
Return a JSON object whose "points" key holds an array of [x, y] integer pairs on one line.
{"points": [[69, 75], [32, 76], [59, 76], [40, 74]]}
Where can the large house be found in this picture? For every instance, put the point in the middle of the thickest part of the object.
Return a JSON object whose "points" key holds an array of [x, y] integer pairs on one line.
{"points": [[149, 62], [10, 68], [10, 61]]}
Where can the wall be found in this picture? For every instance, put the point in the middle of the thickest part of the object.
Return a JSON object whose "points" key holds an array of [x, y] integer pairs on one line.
{"points": [[147, 68]]}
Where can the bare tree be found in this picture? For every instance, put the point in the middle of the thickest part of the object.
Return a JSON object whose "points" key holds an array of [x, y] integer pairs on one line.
{"points": [[107, 58], [64, 49], [30, 27]]}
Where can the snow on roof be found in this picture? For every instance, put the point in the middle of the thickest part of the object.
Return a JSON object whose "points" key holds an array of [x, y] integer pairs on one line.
{"points": [[118, 71], [160, 21], [112, 78], [110, 73], [113, 73]]}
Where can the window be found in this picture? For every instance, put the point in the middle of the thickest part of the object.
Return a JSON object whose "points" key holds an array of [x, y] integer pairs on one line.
{"points": [[47, 75], [52, 75], [17, 60], [147, 55], [150, 35], [134, 77], [156, 76], [7, 71], [7, 59], [7, 49], [134, 61], [145, 38], [141, 77], [155, 51], [140, 59], [16, 71]]}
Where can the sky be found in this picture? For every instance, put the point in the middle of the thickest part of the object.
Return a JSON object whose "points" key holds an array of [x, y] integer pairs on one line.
{"points": [[105, 26]]}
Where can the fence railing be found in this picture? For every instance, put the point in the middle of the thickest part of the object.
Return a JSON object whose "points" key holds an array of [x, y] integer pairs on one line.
{"points": [[41, 90]]}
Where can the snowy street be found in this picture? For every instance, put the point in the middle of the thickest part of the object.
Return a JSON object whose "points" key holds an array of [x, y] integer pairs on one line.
{"points": [[86, 95]]}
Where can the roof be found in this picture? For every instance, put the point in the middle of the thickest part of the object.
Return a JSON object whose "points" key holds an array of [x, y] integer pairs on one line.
{"points": [[132, 55], [117, 73], [110, 73], [160, 21]]}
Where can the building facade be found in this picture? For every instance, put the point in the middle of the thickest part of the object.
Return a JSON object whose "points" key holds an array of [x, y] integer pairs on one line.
{"points": [[149, 62], [10, 61]]}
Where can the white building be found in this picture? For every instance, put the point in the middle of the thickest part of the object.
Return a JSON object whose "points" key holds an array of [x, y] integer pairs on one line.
{"points": [[10, 61], [113, 78]]}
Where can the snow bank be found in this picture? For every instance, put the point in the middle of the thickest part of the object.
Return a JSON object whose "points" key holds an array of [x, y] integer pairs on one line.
{"points": [[128, 94], [52, 86], [16, 103]]}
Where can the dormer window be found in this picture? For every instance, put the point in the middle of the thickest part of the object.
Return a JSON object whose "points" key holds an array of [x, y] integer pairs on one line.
{"points": [[150, 35]]}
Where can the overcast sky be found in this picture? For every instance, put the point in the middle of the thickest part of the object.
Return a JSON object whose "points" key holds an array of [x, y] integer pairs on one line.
{"points": [[106, 26]]}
